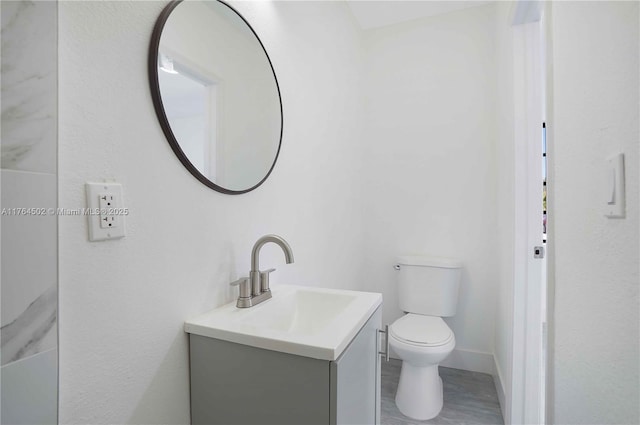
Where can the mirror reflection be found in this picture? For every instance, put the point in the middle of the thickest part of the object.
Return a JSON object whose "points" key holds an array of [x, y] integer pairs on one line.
{"points": [[218, 94]]}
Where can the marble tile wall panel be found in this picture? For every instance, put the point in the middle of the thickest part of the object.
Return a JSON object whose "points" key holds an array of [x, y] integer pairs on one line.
{"points": [[29, 265], [28, 63], [29, 390]]}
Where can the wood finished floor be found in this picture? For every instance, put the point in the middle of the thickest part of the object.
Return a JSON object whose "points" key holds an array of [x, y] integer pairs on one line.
{"points": [[469, 398]]}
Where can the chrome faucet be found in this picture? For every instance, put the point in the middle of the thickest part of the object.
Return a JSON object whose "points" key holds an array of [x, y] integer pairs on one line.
{"points": [[255, 288]]}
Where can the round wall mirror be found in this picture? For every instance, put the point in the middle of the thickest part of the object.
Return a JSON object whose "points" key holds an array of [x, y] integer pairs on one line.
{"points": [[216, 95]]}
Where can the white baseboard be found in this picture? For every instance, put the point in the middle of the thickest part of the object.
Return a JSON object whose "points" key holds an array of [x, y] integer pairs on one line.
{"points": [[475, 361], [499, 383]]}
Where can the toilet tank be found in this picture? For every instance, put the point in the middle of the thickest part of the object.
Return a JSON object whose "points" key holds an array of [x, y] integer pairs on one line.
{"points": [[429, 285]]}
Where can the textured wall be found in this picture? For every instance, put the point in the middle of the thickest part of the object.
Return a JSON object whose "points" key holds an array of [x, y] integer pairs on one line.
{"points": [[29, 239], [124, 355], [595, 114]]}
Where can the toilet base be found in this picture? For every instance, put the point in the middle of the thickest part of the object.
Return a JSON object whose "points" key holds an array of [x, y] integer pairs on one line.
{"points": [[419, 394]]}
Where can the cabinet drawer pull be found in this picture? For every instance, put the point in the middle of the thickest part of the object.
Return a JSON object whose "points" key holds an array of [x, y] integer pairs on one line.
{"points": [[385, 353]]}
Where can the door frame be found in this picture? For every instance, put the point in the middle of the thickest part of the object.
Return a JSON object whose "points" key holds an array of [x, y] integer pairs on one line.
{"points": [[527, 401]]}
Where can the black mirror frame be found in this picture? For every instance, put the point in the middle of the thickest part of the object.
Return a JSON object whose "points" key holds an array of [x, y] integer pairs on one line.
{"points": [[162, 116]]}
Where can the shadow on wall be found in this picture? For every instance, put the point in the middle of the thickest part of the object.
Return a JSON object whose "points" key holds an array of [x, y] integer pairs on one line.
{"points": [[167, 395]]}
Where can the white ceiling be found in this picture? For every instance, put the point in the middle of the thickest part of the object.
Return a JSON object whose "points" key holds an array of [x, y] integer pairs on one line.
{"points": [[379, 13]]}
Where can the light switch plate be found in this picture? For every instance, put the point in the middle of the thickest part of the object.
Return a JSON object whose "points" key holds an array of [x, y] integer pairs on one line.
{"points": [[105, 211]]}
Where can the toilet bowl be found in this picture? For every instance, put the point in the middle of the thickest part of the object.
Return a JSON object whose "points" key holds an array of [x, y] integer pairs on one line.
{"points": [[421, 342], [427, 291]]}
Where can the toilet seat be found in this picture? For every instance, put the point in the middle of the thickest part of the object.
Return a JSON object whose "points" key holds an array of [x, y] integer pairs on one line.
{"points": [[420, 330]]}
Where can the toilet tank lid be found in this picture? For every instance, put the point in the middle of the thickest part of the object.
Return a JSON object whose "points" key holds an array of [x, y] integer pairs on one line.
{"points": [[417, 260]]}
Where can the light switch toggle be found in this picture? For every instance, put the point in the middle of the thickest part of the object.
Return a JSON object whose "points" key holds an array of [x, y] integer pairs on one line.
{"points": [[614, 182], [611, 184]]}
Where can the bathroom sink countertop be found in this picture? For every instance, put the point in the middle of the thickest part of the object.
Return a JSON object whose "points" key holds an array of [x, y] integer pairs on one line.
{"points": [[305, 321]]}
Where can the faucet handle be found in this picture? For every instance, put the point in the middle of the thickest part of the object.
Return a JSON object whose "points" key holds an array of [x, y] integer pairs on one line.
{"points": [[245, 286], [239, 281], [264, 280]]}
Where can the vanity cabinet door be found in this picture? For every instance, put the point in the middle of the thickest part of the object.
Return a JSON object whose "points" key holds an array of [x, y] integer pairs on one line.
{"points": [[235, 384], [355, 378]]}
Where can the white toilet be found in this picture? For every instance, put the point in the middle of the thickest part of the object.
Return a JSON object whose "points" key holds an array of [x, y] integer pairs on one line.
{"points": [[428, 291]]}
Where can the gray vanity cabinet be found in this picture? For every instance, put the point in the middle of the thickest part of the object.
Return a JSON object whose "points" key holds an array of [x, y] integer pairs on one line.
{"points": [[239, 384]]}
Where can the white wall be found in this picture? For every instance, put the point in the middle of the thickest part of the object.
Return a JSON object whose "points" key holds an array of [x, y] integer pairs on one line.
{"points": [[505, 207], [123, 356], [595, 114], [430, 166]]}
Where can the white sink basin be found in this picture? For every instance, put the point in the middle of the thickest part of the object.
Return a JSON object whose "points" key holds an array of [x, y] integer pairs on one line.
{"points": [[310, 322]]}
